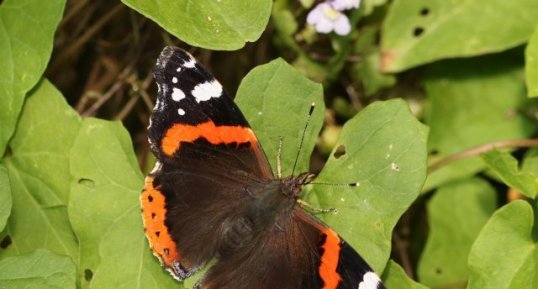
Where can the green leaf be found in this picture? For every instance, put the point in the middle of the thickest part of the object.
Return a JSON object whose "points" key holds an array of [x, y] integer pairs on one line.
{"points": [[395, 278], [457, 212], [219, 25], [531, 65], [504, 255], [104, 210], [466, 99], [383, 149], [5, 197], [38, 169], [276, 100], [26, 33], [506, 167], [419, 32], [40, 269]]}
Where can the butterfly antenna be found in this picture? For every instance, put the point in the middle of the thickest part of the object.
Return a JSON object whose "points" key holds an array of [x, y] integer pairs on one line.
{"points": [[336, 184], [312, 106], [279, 159]]}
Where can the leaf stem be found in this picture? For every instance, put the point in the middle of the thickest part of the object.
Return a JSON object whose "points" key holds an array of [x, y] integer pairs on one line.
{"points": [[482, 149]]}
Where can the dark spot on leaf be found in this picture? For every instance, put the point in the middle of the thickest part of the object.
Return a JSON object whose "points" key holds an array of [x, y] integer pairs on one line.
{"points": [[88, 183], [5, 242], [340, 151], [158, 233], [150, 198], [425, 11], [438, 271], [418, 31], [166, 251], [153, 215], [88, 275]]}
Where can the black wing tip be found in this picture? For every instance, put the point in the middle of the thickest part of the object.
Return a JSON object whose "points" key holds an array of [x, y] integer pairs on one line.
{"points": [[172, 54]]}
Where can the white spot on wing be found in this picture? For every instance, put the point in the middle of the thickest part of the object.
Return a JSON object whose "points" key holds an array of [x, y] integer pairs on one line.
{"points": [[369, 281], [395, 167], [156, 168], [158, 105], [190, 64], [177, 94], [207, 90], [178, 69], [174, 79], [180, 111]]}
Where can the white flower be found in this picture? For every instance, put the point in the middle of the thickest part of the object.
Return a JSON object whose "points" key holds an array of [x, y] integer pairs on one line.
{"points": [[327, 19], [341, 5]]}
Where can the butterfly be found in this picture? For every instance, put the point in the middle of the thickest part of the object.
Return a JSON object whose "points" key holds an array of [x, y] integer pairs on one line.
{"points": [[212, 195]]}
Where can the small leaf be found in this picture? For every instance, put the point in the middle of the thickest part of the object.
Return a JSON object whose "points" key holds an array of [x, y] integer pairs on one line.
{"points": [[276, 100], [504, 255], [40, 269], [104, 210], [5, 197], [38, 169], [466, 99], [531, 65], [219, 25], [395, 278], [383, 150], [506, 167], [457, 212], [26, 32], [419, 32]]}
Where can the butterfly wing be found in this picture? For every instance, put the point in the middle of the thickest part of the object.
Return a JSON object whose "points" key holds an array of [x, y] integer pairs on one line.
{"points": [[298, 253], [207, 154]]}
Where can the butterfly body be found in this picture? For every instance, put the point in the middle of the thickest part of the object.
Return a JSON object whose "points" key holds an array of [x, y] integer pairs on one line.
{"points": [[212, 196]]}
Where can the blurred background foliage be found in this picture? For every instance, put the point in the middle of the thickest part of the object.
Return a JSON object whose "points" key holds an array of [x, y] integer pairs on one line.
{"points": [[466, 68]]}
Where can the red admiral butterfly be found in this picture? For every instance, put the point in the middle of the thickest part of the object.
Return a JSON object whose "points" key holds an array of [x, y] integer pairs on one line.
{"points": [[212, 194]]}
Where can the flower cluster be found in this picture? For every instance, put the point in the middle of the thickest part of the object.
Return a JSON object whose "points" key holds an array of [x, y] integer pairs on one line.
{"points": [[327, 16]]}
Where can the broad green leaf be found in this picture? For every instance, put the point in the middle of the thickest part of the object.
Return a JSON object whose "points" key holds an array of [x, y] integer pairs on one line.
{"points": [[504, 255], [383, 150], [26, 33], [40, 269], [394, 277], [531, 65], [457, 212], [466, 99], [38, 168], [104, 210], [5, 197], [506, 167], [219, 25], [419, 32], [276, 100]]}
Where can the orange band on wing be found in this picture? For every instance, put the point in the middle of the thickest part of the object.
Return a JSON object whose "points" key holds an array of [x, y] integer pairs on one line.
{"points": [[153, 215], [208, 130], [329, 260]]}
